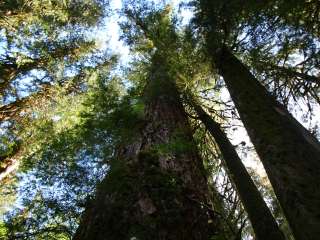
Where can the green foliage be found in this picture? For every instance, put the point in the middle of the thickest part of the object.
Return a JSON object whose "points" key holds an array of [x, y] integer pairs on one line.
{"points": [[7, 146], [59, 145], [48, 13], [124, 181], [39, 37], [66, 131], [3, 230], [275, 38], [177, 145], [69, 150]]}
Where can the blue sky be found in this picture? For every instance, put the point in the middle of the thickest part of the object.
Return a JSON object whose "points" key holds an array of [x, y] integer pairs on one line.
{"points": [[107, 37]]}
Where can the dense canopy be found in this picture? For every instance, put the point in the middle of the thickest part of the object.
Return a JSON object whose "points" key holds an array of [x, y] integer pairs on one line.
{"points": [[149, 119]]}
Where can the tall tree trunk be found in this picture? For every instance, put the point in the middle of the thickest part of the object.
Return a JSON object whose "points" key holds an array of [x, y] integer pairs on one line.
{"points": [[156, 188], [289, 153], [263, 223]]}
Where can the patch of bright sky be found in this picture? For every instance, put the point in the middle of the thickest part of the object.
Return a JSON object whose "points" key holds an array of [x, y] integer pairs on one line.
{"points": [[108, 37], [237, 135], [3, 43]]}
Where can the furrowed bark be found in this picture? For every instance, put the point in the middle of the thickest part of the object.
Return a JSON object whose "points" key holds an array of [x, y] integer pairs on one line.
{"points": [[289, 153], [263, 223], [156, 189]]}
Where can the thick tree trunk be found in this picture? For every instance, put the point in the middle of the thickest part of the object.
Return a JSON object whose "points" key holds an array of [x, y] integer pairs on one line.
{"points": [[263, 223], [156, 188], [289, 153]]}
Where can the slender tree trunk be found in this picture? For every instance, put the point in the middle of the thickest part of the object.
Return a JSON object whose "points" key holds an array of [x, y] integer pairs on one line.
{"points": [[156, 189], [289, 153], [263, 223]]}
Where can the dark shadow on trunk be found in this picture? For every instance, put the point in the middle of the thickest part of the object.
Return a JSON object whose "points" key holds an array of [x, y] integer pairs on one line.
{"points": [[156, 188], [263, 223], [289, 153]]}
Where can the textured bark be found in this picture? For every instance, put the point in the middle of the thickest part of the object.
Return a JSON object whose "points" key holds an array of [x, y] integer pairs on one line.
{"points": [[263, 223], [289, 153], [156, 189]]}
